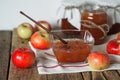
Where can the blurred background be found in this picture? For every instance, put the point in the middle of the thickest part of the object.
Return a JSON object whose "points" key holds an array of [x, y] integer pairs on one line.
{"points": [[10, 17]]}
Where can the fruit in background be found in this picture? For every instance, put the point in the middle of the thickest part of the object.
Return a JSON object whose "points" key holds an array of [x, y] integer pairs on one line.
{"points": [[25, 30], [23, 57], [40, 40], [43, 23], [113, 46], [98, 60]]}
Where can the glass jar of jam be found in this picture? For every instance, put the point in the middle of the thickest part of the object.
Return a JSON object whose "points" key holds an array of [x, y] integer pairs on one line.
{"points": [[95, 21]]}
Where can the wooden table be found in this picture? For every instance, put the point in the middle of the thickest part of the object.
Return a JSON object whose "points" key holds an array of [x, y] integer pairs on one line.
{"points": [[10, 41]]}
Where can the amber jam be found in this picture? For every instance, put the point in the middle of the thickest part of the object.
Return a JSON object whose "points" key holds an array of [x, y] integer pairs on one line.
{"points": [[74, 51], [97, 16], [66, 25], [96, 22]]}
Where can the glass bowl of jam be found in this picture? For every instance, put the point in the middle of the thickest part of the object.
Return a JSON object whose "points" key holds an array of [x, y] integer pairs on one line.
{"points": [[78, 47]]}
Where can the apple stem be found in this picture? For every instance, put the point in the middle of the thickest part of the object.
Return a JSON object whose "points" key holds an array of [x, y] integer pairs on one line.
{"points": [[44, 28]]}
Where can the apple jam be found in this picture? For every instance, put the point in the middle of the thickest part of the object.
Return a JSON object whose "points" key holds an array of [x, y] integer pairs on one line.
{"points": [[97, 16], [74, 51], [66, 25], [95, 21]]}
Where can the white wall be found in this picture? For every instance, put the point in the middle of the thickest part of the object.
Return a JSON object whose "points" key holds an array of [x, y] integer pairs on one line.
{"points": [[37, 9]]}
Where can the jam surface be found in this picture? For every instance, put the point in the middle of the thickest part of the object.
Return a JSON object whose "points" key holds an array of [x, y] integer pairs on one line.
{"points": [[74, 51]]}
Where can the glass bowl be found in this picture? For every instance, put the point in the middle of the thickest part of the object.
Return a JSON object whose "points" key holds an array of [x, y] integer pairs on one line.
{"points": [[78, 47]]}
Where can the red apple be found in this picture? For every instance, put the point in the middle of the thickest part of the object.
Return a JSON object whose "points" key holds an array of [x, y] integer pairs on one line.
{"points": [[25, 30], [43, 23], [98, 60], [113, 46], [40, 40], [23, 57]]}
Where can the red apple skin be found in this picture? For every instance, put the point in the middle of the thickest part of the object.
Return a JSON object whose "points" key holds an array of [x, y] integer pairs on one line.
{"points": [[113, 47], [98, 60], [40, 40], [23, 57], [25, 30], [43, 23]]}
